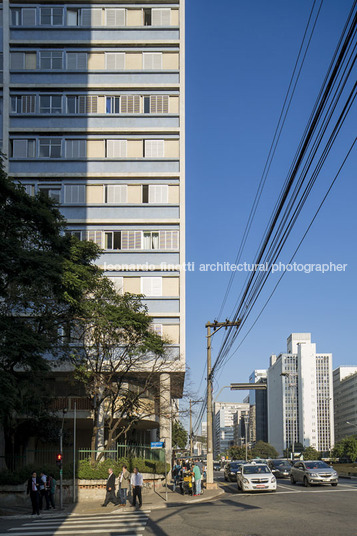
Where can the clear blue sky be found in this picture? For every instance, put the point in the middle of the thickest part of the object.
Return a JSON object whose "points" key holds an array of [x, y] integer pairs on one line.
{"points": [[239, 60]]}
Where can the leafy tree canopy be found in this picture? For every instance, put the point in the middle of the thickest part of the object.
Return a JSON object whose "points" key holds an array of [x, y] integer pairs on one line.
{"points": [[347, 447], [179, 435], [264, 450], [310, 453]]}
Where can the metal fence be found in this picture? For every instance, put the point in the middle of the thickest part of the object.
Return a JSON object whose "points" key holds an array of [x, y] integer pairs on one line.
{"points": [[125, 451]]}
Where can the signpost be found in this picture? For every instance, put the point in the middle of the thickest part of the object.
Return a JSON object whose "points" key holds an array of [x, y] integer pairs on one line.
{"points": [[161, 445]]}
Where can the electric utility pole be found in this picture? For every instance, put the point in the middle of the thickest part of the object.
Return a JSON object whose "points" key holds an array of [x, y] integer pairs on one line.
{"points": [[216, 327]]}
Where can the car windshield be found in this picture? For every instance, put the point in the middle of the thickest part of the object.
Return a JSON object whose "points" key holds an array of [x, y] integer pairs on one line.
{"points": [[253, 469], [235, 466], [282, 465], [317, 465]]}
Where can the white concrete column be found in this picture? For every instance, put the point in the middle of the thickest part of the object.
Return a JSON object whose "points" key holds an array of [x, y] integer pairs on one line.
{"points": [[165, 414]]}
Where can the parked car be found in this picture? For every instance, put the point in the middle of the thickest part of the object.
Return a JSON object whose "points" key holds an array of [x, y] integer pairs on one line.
{"points": [[255, 477], [230, 470], [280, 468], [216, 466], [313, 472]]}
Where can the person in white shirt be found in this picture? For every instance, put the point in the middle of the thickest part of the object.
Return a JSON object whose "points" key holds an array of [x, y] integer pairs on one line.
{"points": [[137, 484]]}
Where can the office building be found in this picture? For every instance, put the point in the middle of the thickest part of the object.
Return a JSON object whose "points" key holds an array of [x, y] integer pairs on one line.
{"points": [[345, 401], [258, 408], [223, 424]]}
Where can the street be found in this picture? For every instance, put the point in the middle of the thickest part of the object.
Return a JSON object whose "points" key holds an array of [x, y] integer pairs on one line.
{"points": [[290, 511]]}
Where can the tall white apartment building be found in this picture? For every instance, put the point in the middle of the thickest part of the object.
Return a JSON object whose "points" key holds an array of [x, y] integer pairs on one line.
{"points": [[345, 401], [93, 115], [223, 424], [300, 396]]}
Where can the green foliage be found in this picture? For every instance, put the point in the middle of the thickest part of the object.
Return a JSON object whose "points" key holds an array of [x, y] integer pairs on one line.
{"points": [[238, 453], [264, 450], [21, 476], [347, 447], [179, 435], [87, 471], [310, 453]]}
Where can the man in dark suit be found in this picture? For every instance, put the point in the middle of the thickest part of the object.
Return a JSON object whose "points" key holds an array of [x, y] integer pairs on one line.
{"points": [[33, 488], [110, 495]]}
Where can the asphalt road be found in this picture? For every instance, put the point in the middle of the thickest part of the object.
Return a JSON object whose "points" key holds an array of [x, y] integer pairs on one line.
{"points": [[290, 511]]}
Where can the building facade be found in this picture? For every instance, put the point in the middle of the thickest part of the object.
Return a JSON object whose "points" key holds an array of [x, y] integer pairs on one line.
{"points": [[300, 396], [93, 115], [258, 408], [225, 413], [345, 401]]}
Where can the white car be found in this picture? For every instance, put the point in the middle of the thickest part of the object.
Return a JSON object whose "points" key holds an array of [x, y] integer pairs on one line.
{"points": [[255, 477]]}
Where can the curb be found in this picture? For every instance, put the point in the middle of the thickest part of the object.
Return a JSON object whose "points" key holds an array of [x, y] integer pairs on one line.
{"points": [[177, 504]]}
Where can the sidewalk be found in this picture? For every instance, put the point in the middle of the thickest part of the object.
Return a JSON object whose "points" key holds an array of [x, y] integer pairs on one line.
{"points": [[152, 500]]}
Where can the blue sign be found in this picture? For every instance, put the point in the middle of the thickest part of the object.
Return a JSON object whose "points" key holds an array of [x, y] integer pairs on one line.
{"points": [[157, 445]]}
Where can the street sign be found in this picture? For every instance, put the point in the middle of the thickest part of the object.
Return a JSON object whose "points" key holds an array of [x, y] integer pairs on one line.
{"points": [[157, 445]]}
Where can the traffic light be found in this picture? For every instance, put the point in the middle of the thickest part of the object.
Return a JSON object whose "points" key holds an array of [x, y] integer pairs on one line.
{"points": [[59, 461]]}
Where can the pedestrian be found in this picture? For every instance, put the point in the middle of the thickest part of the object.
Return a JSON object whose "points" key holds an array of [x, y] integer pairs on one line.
{"points": [[124, 483], [137, 484], [197, 476], [176, 474], [51, 490], [43, 491], [33, 489], [110, 487]]}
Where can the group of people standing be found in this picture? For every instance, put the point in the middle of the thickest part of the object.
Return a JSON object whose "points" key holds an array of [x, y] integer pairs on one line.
{"points": [[191, 468], [41, 488], [126, 482]]}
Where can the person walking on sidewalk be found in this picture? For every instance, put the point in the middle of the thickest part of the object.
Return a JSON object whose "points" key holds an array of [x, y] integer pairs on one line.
{"points": [[197, 475], [33, 489], [124, 483], [110, 495], [136, 485]]}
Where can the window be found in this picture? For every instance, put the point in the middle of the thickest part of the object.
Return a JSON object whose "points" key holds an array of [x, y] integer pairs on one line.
{"points": [[23, 16], [50, 104], [115, 17], [82, 104], [93, 236], [152, 60], [91, 17], [131, 239], [73, 17], [151, 286], [169, 240], [51, 16], [29, 189], [118, 283], [74, 193], [23, 148], [53, 192], [112, 240], [153, 148], [161, 17], [25, 104], [76, 61], [51, 59], [156, 104], [130, 104], [158, 193], [115, 148], [147, 17], [115, 60], [23, 60], [113, 105], [76, 148], [157, 328], [116, 193], [151, 240], [50, 148]]}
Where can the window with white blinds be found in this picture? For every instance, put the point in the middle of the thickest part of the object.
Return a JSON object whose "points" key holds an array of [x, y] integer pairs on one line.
{"points": [[91, 17], [23, 60], [169, 239], [74, 193], [114, 17], [131, 240], [151, 286], [160, 17], [116, 193], [76, 148], [115, 60], [28, 104], [158, 193], [93, 236], [154, 148], [87, 104], [152, 60], [23, 148], [130, 104], [118, 283], [115, 148], [76, 61], [159, 104]]}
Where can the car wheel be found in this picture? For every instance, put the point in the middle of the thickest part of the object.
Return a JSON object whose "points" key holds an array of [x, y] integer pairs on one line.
{"points": [[335, 484], [306, 482], [292, 479]]}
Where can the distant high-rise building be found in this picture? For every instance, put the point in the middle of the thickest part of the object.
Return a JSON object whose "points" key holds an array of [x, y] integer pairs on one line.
{"points": [[345, 401], [223, 425], [258, 408], [300, 396], [204, 429]]}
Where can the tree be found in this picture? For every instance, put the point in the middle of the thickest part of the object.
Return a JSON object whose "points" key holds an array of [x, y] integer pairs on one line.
{"points": [[117, 359], [237, 453], [347, 447], [179, 435], [310, 453], [43, 274], [264, 450]]}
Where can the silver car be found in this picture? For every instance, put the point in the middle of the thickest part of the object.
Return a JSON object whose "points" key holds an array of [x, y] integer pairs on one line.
{"points": [[313, 472]]}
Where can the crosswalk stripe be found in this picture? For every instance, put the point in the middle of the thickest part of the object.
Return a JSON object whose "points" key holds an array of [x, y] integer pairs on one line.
{"points": [[96, 525], [76, 531], [77, 521]]}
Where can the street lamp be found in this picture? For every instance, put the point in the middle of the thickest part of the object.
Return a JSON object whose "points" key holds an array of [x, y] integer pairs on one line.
{"points": [[292, 385], [351, 424]]}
